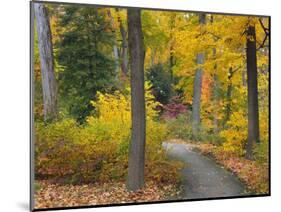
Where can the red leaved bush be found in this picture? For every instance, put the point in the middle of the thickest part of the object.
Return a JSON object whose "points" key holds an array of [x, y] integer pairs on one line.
{"points": [[174, 108]]}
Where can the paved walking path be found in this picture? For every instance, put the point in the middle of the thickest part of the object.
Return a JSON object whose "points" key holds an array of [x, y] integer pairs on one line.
{"points": [[202, 177]]}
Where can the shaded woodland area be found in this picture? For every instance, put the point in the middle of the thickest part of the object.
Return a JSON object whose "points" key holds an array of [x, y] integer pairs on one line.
{"points": [[111, 85]]}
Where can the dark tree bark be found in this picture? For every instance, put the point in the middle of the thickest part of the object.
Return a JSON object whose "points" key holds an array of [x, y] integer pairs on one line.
{"points": [[137, 146], [49, 84], [197, 87], [252, 83]]}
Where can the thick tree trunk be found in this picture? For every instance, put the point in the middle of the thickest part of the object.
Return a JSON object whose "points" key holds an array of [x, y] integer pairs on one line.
{"points": [[252, 83], [137, 146], [49, 83], [197, 89]]}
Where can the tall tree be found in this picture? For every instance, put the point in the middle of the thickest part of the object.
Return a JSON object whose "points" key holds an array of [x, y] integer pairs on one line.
{"points": [[49, 84], [115, 44], [124, 47], [215, 86], [252, 83], [137, 146], [197, 86], [85, 52], [216, 102], [228, 96], [172, 21]]}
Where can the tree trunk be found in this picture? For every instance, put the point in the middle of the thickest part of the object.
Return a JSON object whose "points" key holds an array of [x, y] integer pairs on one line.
{"points": [[252, 83], [228, 96], [244, 77], [124, 51], [228, 103], [116, 57], [216, 102], [152, 57], [115, 45], [171, 38], [137, 146], [197, 89], [215, 90], [49, 84]]}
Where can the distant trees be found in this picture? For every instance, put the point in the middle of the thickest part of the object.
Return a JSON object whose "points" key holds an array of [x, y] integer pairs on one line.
{"points": [[137, 146], [49, 83], [223, 41], [93, 45]]}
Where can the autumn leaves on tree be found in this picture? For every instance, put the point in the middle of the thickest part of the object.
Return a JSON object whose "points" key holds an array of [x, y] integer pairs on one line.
{"points": [[216, 68]]}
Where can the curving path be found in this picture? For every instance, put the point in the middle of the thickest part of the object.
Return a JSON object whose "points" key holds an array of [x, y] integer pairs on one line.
{"points": [[201, 176]]}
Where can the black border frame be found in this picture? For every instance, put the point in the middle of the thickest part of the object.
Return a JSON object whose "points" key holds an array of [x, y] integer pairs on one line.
{"points": [[31, 121]]}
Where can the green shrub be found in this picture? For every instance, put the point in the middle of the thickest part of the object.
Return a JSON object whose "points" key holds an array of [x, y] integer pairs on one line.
{"points": [[261, 152], [179, 127]]}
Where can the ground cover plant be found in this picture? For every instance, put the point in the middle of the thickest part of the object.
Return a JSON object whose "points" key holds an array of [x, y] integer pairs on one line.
{"points": [[130, 104]]}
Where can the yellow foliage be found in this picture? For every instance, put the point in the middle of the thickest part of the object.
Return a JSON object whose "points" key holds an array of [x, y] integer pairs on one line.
{"points": [[236, 134], [98, 150], [116, 107]]}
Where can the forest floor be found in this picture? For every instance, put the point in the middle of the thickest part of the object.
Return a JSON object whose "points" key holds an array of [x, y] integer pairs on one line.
{"points": [[203, 177], [207, 173], [50, 195]]}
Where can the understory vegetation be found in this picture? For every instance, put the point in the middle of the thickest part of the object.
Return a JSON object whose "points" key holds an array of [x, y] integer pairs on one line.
{"points": [[111, 85], [231, 140], [97, 151]]}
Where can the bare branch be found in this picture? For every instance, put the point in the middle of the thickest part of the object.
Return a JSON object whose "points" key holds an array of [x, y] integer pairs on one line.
{"points": [[266, 30], [263, 42]]}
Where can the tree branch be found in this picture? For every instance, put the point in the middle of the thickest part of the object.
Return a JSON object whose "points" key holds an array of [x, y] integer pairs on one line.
{"points": [[263, 42], [266, 30]]}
